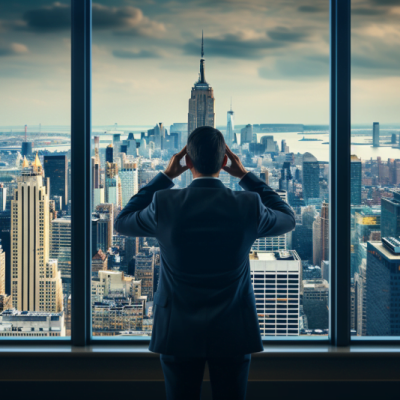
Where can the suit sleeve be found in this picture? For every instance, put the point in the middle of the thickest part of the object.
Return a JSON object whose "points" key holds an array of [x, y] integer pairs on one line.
{"points": [[138, 218], [275, 217]]}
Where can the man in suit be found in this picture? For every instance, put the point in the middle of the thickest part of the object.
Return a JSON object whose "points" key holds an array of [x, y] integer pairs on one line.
{"points": [[204, 305]]}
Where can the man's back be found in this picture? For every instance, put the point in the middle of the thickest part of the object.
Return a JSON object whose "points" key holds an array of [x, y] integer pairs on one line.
{"points": [[204, 304]]}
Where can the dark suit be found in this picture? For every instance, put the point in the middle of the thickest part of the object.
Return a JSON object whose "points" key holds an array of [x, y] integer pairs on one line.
{"points": [[204, 305]]}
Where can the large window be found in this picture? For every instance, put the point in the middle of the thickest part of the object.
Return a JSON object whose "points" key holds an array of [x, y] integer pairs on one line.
{"points": [[263, 80], [35, 221], [375, 171]]}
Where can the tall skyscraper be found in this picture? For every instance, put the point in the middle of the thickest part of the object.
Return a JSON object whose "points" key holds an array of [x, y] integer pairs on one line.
{"points": [[246, 134], [5, 238], [310, 177], [390, 217], [3, 197], [201, 102], [144, 271], [159, 136], [113, 191], [182, 130], [104, 226], [355, 179], [97, 164], [375, 134], [60, 249], [56, 168], [117, 144], [321, 236], [383, 288], [230, 127], [129, 182], [316, 303], [35, 279], [276, 280], [110, 153]]}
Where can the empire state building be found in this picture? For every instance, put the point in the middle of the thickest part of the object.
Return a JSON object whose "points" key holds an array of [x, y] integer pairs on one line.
{"points": [[201, 102]]}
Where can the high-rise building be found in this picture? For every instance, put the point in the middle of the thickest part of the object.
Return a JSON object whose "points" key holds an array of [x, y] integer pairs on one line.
{"points": [[230, 127], [109, 154], [60, 249], [35, 279], [390, 217], [5, 299], [182, 130], [5, 238], [316, 303], [321, 236], [117, 144], [383, 288], [360, 299], [286, 177], [355, 179], [113, 192], [3, 197], [246, 134], [97, 164], [375, 134], [273, 243], [310, 177], [201, 102], [104, 215], [159, 136], [129, 182], [56, 168], [144, 271], [276, 281]]}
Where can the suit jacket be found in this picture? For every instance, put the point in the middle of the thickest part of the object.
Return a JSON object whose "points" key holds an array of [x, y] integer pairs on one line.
{"points": [[204, 304]]}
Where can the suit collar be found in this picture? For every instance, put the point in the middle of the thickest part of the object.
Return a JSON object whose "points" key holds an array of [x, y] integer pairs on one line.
{"points": [[207, 183]]}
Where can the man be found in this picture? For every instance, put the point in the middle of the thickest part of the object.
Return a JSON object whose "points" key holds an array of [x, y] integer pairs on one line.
{"points": [[204, 305]]}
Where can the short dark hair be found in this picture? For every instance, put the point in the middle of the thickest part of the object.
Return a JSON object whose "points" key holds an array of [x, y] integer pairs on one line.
{"points": [[206, 148]]}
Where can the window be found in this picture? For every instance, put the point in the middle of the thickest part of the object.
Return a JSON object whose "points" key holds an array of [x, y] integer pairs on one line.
{"points": [[266, 87], [34, 168], [375, 173]]}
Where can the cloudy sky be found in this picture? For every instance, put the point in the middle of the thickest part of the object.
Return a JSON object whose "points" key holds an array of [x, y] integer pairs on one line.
{"points": [[270, 56]]}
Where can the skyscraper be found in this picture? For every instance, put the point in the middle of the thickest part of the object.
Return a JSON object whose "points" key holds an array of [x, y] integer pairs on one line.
{"points": [[375, 134], [35, 279], [159, 136], [246, 134], [230, 127], [201, 102], [355, 179], [5, 238], [3, 197], [276, 280], [96, 167], [113, 191], [129, 182], [56, 168], [383, 288], [104, 226], [310, 177], [144, 271], [321, 236], [316, 303], [110, 153], [390, 217]]}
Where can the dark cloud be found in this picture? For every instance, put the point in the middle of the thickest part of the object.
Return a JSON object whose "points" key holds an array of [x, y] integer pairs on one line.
{"points": [[123, 20], [365, 12], [234, 46], [312, 9], [283, 34], [128, 54], [12, 49]]}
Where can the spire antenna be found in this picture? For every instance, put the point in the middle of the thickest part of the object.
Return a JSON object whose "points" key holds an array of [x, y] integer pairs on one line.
{"points": [[202, 43], [231, 103]]}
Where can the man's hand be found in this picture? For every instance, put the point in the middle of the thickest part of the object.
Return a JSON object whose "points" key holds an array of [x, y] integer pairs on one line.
{"points": [[174, 168], [236, 169]]}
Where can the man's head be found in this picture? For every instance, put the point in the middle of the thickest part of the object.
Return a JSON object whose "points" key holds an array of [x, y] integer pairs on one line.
{"points": [[206, 150]]}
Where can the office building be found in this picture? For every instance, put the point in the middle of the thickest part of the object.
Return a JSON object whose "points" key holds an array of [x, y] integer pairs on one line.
{"points": [[116, 144], [276, 281], [96, 166], [321, 236], [264, 175], [390, 217], [2, 271], [181, 129], [230, 127], [99, 263], [316, 303], [5, 240], [129, 182], [56, 168], [159, 136], [302, 243], [201, 102], [355, 180], [270, 145], [246, 134], [375, 134], [3, 197], [360, 298], [35, 324], [60, 249], [273, 243], [109, 154], [144, 271], [35, 279], [310, 177], [383, 288], [104, 216], [113, 192]]}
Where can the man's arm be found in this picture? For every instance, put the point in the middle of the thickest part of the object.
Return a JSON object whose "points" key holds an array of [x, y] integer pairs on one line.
{"points": [[275, 217], [138, 218]]}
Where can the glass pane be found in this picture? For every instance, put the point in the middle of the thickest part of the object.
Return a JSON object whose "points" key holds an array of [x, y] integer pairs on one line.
{"points": [[35, 255], [375, 167], [264, 83]]}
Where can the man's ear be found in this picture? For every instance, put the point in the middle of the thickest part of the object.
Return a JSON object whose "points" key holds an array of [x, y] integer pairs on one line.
{"points": [[188, 161], [225, 161]]}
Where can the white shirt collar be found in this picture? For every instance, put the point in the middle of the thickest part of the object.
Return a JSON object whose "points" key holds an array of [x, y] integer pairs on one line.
{"points": [[206, 177]]}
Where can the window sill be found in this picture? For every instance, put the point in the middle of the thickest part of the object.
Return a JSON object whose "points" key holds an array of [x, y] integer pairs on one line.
{"points": [[136, 363]]}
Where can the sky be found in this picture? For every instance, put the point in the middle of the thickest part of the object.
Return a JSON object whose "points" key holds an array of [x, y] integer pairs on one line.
{"points": [[270, 56]]}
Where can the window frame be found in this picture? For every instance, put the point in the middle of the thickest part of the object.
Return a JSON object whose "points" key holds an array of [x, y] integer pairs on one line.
{"points": [[340, 140]]}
